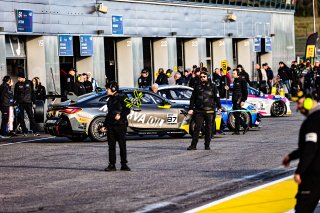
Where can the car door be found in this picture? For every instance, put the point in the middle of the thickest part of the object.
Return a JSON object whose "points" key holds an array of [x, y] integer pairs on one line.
{"points": [[151, 114]]}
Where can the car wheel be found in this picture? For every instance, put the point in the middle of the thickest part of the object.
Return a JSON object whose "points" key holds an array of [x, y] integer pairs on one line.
{"points": [[246, 117], [278, 109], [39, 112], [177, 135], [94, 130], [79, 138]]}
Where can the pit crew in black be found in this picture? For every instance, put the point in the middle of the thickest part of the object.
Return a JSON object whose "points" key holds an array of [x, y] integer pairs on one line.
{"points": [[116, 126], [307, 174], [239, 96], [24, 97], [6, 101], [204, 98]]}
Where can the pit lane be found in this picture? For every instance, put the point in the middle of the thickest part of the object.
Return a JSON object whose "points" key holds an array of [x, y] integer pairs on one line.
{"points": [[56, 175]]}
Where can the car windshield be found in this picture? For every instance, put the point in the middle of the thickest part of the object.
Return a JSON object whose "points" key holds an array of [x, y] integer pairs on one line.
{"points": [[252, 91], [176, 94]]}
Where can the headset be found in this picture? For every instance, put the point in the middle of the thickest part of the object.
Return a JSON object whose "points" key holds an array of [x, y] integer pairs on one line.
{"points": [[113, 86], [308, 101]]}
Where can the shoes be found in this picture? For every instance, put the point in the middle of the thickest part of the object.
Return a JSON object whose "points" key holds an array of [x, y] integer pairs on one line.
{"points": [[12, 134], [36, 134], [4, 136], [236, 133], [207, 148], [246, 129], [125, 167], [192, 148], [110, 168], [24, 134], [222, 132]]}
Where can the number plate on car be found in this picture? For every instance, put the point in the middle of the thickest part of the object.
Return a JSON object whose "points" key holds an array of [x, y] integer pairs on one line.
{"points": [[172, 118]]}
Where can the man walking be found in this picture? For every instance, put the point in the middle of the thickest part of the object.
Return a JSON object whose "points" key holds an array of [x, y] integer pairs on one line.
{"points": [[205, 97], [307, 174]]}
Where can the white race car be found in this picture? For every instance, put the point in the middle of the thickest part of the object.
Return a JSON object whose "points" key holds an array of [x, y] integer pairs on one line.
{"points": [[269, 105]]}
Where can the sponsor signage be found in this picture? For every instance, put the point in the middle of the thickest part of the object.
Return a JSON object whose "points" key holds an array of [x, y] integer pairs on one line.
{"points": [[310, 51], [268, 44], [24, 21], [86, 45], [117, 25], [224, 66], [257, 44], [65, 45]]}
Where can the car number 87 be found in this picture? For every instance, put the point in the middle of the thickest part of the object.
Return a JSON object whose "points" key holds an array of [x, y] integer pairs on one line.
{"points": [[172, 118]]}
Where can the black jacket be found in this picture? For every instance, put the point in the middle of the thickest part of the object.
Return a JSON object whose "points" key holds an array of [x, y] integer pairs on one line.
{"points": [[6, 95], [40, 93], [205, 97], [116, 105], [162, 79], [70, 83], [240, 90], [284, 73], [194, 81], [244, 75], [309, 146], [79, 88], [88, 86], [143, 82], [23, 92]]}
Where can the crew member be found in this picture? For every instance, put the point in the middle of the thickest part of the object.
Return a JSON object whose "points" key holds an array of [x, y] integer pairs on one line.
{"points": [[86, 83], [239, 96], [143, 80], [24, 97], [70, 80], [204, 99], [307, 174], [116, 126], [79, 88], [6, 97]]}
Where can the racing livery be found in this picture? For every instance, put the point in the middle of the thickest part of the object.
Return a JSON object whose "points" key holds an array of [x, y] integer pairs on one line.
{"points": [[84, 116], [269, 105], [181, 94]]}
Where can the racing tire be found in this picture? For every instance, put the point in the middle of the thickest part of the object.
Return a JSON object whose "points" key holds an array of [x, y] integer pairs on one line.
{"points": [[278, 109], [79, 138], [39, 111], [246, 117], [94, 130], [177, 135]]}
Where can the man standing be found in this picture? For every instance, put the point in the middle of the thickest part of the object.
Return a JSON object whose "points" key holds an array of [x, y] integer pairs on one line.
{"points": [[24, 97], [205, 97], [284, 73], [79, 88], [239, 96], [269, 73], [307, 174], [162, 77], [6, 97], [93, 81], [70, 81], [143, 80], [115, 125]]}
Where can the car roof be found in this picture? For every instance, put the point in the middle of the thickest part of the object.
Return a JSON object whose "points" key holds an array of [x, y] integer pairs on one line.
{"points": [[161, 87]]}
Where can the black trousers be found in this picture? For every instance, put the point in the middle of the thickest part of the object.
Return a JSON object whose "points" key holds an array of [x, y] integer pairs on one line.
{"points": [[117, 133], [199, 118], [237, 119], [28, 109], [4, 120], [308, 194]]}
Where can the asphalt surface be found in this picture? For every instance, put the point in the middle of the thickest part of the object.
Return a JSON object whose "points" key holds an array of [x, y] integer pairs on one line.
{"points": [[55, 175]]}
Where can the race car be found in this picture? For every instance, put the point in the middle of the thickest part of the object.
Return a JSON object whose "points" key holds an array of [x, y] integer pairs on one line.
{"points": [[83, 117], [182, 94], [269, 105]]}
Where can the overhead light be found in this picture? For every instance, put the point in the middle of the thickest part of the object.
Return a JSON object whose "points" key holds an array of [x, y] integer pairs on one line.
{"points": [[102, 8], [231, 17]]}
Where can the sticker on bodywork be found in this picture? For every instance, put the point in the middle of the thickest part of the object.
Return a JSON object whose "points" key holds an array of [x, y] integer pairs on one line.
{"points": [[172, 118], [134, 101]]}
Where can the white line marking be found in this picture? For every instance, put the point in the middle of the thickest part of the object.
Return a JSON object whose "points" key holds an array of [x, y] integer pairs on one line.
{"points": [[237, 195], [38, 139], [152, 207]]}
